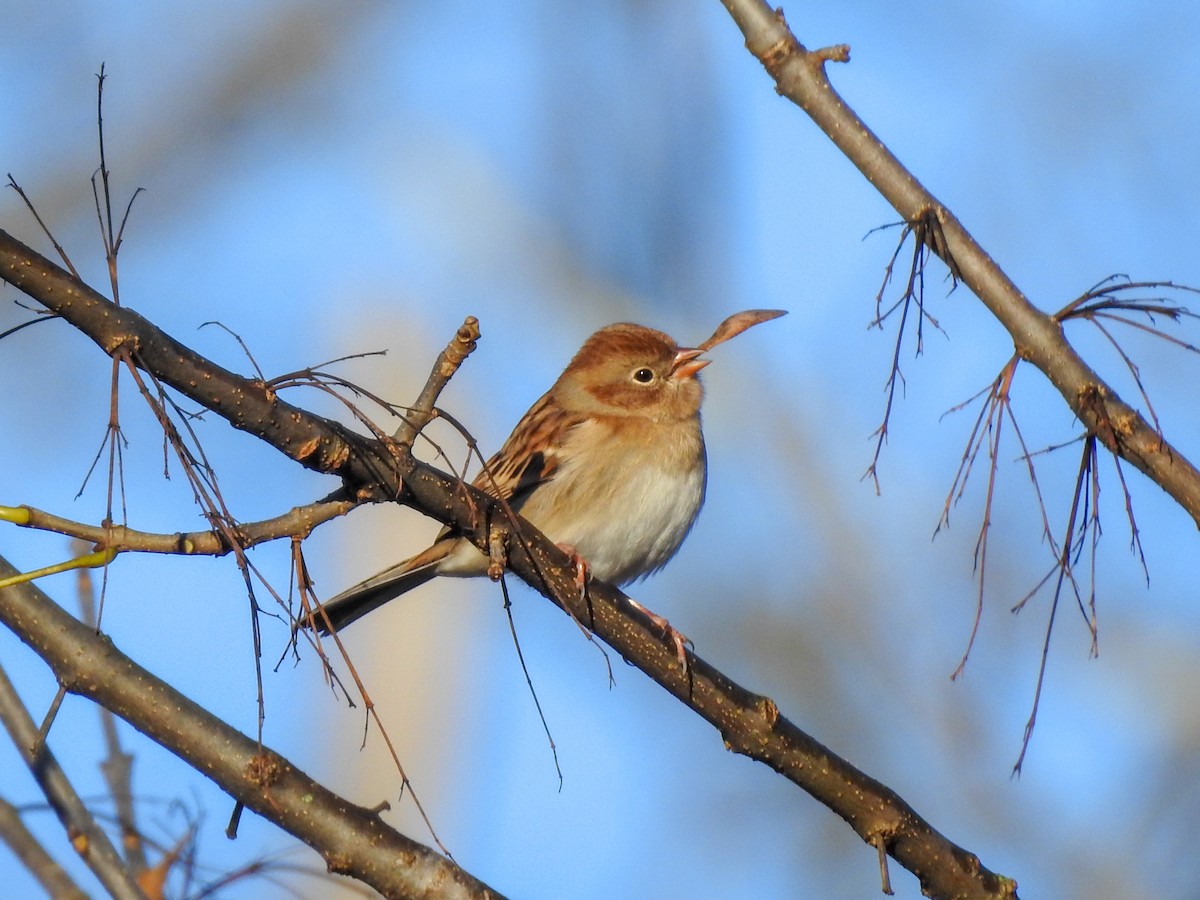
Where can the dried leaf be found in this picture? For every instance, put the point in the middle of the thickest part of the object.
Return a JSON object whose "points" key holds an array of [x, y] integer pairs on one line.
{"points": [[739, 322]]}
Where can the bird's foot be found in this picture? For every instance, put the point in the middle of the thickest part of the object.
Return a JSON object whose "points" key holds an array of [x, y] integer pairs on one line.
{"points": [[582, 574], [680, 640], [582, 570]]}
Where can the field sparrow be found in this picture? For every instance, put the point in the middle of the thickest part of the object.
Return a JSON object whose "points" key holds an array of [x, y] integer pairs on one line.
{"points": [[609, 464]]}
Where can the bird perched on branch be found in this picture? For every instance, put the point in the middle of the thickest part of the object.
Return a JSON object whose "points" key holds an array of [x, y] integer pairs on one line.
{"points": [[609, 464]]}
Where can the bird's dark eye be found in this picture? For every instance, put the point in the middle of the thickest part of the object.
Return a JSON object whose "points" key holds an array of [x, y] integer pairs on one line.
{"points": [[643, 375]]}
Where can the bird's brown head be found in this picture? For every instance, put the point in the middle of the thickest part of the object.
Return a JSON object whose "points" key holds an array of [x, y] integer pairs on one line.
{"points": [[629, 369]]}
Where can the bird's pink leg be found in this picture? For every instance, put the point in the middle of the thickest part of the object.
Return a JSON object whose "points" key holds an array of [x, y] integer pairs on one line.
{"points": [[583, 573], [677, 638], [582, 570]]}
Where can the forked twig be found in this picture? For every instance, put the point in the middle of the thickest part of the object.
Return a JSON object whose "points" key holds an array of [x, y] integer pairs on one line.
{"points": [[928, 238], [1072, 545]]}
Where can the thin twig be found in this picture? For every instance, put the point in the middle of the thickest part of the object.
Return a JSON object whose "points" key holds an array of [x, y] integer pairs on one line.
{"points": [[298, 521], [117, 766], [444, 367]]}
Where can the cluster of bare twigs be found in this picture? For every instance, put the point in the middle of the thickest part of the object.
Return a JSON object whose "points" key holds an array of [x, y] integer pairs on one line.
{"points": [[136, 864], [799, 75], [360, 843], [927, 240], [1115, 301], [227, 535]]}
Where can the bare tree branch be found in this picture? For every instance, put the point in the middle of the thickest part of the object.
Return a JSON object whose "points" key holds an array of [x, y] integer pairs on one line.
{"points": [[748, 723], [800, 76], [298, 521], [352, 840]]}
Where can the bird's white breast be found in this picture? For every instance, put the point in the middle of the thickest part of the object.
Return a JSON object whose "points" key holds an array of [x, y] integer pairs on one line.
{"points": [[625, 505]]}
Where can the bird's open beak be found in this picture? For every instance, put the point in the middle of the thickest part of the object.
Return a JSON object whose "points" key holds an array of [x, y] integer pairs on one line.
{"points": [[686, 364]]}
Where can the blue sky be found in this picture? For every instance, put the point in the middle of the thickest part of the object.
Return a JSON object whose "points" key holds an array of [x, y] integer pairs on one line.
{"points": [[332, 180]]}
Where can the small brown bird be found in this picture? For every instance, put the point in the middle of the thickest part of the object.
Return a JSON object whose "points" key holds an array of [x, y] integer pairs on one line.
{"points": [[609, 464]]}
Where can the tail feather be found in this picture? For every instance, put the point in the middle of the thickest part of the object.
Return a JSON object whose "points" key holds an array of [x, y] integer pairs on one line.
{"points": [[356, 602], [366, 596]]}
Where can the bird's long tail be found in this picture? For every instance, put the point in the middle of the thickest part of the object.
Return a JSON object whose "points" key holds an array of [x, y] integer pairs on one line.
{"points": [[366, 596]]}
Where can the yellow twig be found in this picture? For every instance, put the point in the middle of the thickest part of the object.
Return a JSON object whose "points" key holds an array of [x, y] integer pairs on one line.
{"points": [[92, 560], [18, 515]]}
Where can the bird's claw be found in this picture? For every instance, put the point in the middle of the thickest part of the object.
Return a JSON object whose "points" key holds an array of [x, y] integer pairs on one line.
{"points": [[582, 570], [680, 640]]}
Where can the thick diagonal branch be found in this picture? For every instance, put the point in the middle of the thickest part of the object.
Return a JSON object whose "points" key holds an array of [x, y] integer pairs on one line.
{"points": [[748, 723], [800, 76]]}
